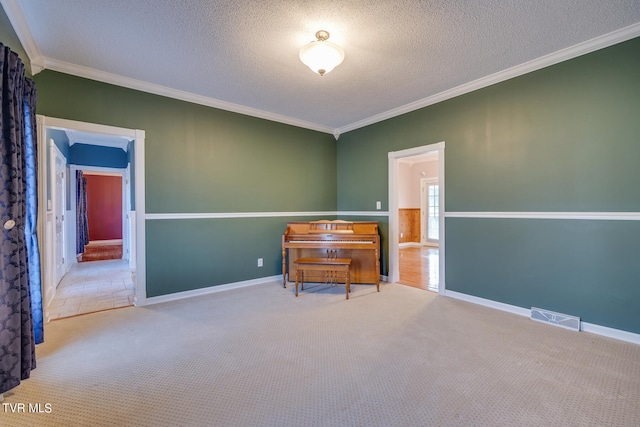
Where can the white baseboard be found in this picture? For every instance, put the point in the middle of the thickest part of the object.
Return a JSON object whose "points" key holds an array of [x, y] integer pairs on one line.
{"points": [[584, 326], [610, 332], [212, 289], [219, 288], [489, 303]]}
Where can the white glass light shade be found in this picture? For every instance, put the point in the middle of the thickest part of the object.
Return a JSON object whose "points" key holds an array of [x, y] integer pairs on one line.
{"points": [[321, 56]]}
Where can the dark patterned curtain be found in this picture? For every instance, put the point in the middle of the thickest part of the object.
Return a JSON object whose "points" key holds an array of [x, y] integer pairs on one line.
{"points": [[31, 220], [17, 335], [82, 220]]}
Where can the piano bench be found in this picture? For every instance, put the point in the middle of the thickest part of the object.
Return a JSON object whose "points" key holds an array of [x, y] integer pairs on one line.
{"points": [[340, 265]]}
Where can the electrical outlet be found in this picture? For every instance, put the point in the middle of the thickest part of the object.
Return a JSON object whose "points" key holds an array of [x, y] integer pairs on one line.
{"points": [[259, 262]]}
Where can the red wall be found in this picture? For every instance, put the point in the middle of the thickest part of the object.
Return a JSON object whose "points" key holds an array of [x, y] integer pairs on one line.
{"points": [[104, 207]]}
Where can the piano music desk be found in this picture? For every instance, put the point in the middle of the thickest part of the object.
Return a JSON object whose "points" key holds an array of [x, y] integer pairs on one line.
{"points": [[340, 265]]}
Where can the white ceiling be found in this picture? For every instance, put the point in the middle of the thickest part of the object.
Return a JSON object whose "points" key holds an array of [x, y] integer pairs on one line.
{"points": [[242, 55]]}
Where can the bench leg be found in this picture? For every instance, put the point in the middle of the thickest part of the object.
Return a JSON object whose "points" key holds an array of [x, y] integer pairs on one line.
{"points": [[347, 283], [297, 277]]}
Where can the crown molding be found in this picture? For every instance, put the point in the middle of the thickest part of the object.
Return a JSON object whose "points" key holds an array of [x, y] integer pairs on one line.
{"points": [[38, 62], [614, 37], [16, 16], [102, 76], [571, 52]]}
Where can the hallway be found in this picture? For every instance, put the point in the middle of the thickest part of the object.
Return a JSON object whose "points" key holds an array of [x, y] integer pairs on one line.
{"points": [[93, 286]]}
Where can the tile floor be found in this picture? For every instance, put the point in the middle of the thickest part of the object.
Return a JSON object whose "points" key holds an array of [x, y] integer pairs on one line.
{"points": [[93, 286]]}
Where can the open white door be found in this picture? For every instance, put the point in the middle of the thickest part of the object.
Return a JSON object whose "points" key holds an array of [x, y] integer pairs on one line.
{"points": [[59, 203]]}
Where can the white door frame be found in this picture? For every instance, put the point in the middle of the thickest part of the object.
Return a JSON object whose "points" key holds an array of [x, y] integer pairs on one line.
{"points": [[394, 245], [138, 138], [122, 172]]}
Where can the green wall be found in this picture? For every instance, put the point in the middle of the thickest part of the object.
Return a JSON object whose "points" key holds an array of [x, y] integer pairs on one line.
{"points": [[200, 159], [216, 252], [585, 268], [203, 160], [562, 139]]}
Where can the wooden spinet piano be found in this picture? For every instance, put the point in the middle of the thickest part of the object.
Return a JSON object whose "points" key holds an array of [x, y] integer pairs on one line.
{"points": [[357, 240]]}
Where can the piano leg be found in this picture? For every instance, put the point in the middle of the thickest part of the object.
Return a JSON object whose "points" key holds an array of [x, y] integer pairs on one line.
{"points": [[378, 269], [284, 266]]}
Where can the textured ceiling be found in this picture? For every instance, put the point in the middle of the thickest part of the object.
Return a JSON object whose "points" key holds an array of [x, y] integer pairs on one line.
{"points": [[245, 52]]}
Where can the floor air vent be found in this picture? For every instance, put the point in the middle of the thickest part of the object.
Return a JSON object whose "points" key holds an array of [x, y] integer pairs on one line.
{"points": [[558, 319]]}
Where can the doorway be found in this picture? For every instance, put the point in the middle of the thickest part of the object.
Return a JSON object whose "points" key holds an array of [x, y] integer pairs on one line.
{"points": [[107, 215], [416, 217], [98, 214], [133, 227]]}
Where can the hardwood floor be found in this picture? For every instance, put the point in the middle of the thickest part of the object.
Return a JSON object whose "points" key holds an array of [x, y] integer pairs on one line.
{"points": [[419, 267], [101, 252]]}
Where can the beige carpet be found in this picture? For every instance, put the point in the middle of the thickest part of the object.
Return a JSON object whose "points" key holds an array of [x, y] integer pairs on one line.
{"points": [[258, 356]]}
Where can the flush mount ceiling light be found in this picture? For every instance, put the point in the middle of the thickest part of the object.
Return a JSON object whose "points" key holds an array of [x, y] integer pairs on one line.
{"points": [[320, 55]]}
